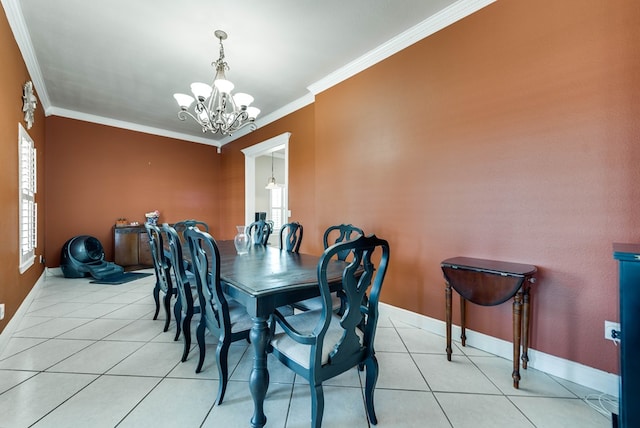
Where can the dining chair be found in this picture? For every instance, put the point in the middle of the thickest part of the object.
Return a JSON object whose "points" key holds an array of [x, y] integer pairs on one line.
{"points": [[225, 318], [345, 232], [185, 285], [293, 238], [321, 344], [259, 231], [332, 235], [162, 269], [180, 227]]}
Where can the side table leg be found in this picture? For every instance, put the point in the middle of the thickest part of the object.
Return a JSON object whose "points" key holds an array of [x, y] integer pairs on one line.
{"points": [[447, 294], [517, 328], [463, 321], [525, 329], [259, 380]]}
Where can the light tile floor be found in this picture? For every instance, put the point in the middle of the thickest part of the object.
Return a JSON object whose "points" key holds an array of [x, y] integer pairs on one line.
{"points": [[88, 355]]}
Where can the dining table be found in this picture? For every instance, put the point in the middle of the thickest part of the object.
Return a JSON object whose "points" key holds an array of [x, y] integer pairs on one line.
{"points": [[264, 279]]}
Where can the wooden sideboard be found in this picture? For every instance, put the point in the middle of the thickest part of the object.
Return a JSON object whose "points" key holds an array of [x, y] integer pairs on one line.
{"points": [[131, 247]]}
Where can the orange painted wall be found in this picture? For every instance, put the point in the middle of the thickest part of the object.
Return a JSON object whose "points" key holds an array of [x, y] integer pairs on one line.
{"points": [[14, 286], [301, 175], [96, 174], [510, 135]]}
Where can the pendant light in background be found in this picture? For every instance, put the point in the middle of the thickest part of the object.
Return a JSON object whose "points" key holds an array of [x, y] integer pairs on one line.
{"points": [[271, 184]]}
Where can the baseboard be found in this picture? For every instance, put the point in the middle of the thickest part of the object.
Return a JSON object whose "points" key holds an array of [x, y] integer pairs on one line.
{"points": [[22, 309], [559, 367]]}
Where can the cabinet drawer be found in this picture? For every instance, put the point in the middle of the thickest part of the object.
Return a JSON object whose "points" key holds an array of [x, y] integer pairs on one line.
{"points": [[144, 251], [126, 247]]}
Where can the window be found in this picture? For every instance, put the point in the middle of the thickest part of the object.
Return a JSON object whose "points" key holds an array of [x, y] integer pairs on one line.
{"points": [[276, 206], [27, 194]]}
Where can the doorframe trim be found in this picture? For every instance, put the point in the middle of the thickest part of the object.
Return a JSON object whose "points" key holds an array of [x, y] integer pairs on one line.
{"points": [[250, 154]]}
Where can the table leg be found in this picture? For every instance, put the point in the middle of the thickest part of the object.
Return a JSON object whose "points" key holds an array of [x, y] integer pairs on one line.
{"points": [[463, 321], [259, 380], [517, 329], [447, 294], [525, 329]]}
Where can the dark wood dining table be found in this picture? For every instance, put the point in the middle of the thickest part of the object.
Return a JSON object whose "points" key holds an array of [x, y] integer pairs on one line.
{"points": [[262, 280]]}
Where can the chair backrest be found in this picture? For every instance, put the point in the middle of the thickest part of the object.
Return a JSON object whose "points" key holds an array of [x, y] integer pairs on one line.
{"points": [[206, 264], [177, 261], [291, 237], [161, 265], [361, 285], [182, 225], [259, 231], [340, 233]]}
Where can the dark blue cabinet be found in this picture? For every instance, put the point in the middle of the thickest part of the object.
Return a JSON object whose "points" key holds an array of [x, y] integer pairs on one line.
{"points": [[628, 256]]}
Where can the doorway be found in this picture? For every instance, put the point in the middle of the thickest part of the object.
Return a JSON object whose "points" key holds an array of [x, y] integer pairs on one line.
{"points": [[278, 144]]}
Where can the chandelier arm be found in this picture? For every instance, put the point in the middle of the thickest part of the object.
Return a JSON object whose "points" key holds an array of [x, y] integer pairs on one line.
{"points": [[182, 115], [238, 120], [251, 124]]}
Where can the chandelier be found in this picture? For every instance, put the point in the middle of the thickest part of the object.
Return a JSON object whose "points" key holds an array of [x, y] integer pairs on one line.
{"points": [[216, 110]]}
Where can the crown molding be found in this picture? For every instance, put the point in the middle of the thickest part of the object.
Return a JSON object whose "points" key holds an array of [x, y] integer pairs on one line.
{"points": [[16, 21], [442, 19], [72, 114], [272, 117], [437, 22]]}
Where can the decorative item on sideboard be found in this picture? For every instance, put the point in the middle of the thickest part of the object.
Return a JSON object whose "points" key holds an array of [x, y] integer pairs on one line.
{"points": [[152, 217], [121, 221]]}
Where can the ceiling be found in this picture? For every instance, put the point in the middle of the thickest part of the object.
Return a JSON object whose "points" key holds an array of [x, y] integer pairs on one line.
{"points": [[119, 62]]}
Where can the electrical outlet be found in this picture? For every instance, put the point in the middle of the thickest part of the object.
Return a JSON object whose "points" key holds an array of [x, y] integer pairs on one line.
{"points": [[1, 311], [612, 330]]}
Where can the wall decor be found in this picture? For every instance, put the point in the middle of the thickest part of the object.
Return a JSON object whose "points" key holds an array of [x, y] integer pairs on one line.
{"points": [[29, 102]]}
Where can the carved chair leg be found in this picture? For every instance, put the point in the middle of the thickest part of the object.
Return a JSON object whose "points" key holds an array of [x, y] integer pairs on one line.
{"points": [[156, 298], [222, 353], [167, 310], [177, 312], [370, 385], [201, 345], [317, 405], [186, 333]]}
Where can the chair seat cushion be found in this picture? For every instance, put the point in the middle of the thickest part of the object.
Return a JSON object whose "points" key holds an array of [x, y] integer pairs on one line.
{"points": [[240, 319], [304, 323], [315, 303]]}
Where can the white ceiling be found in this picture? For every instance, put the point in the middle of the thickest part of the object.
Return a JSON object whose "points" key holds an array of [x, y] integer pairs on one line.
{"points": [[118, 62]]}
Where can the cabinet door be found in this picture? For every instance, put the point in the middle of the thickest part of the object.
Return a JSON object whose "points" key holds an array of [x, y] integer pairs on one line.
{"points": [[126, 242], [144, 251]]}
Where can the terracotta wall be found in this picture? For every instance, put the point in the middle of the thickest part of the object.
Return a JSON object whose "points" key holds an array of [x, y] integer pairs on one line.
{"points": [[96, 174], [14, 286], [511, 135], [301, 175]]}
